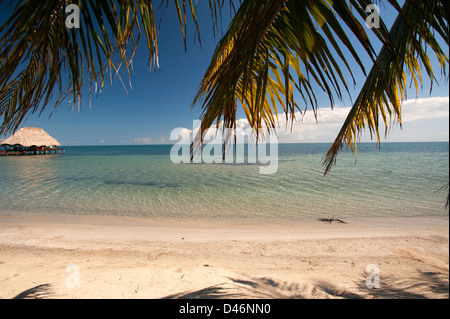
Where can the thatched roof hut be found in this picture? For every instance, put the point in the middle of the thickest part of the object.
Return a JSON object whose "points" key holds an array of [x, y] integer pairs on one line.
{"points": [[29, 137]]}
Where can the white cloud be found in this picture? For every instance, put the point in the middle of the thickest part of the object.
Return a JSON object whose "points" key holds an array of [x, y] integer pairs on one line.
{"points": [[428, 108], [164, 140], [69, 142], [424, 119], [139, 141], [307, 128]]}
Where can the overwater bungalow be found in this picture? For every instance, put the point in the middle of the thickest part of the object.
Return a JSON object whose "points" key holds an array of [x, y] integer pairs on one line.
{"points": [[30, 141]]}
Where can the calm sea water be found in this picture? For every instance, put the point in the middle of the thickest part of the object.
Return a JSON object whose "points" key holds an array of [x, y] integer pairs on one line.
{"points": [[401, 179]]}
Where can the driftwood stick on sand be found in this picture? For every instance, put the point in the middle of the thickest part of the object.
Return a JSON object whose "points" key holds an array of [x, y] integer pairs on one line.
{"points": [[330, 220]]}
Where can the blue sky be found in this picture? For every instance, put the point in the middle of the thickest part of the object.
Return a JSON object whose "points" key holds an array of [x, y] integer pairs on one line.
{"points": [[159, 102]]}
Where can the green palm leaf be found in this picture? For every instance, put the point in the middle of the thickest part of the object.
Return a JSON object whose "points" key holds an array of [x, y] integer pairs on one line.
{"points": [[40, 57], [380, 98], [274, 47]]}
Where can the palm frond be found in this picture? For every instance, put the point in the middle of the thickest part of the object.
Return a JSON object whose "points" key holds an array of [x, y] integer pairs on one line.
{"points": [[40, 57], [381, 96], [274, 47]]}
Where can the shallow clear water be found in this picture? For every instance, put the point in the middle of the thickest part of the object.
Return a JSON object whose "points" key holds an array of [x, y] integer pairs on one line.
{"points": [[401, 179]]}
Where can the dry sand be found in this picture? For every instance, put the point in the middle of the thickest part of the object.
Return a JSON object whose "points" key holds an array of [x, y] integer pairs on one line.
{"points": [[46, 256]]}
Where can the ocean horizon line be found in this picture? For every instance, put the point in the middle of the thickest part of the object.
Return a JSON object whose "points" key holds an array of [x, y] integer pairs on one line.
{"points": [[279, 143]]}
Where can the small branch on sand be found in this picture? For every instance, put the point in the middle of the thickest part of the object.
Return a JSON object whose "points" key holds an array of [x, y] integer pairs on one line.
{"points": [[330, 220]]}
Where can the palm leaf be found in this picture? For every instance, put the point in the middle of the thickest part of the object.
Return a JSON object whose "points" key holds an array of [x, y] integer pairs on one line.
{"points": [[385, 87], [40, 58], [273, 47]]}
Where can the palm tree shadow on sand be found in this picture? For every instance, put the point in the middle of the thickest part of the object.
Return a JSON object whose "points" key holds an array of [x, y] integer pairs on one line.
{"points": [[244, 288], [38, 292], [266, 288], [424, 285]]}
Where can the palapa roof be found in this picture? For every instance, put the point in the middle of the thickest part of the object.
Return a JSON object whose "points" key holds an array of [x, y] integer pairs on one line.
{"points": [[31, 136]]}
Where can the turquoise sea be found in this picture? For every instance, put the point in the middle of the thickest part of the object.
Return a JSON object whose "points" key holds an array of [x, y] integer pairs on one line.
{"points": [[400, 179]]}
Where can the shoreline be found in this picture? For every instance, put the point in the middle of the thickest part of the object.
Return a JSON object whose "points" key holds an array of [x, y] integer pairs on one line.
{"points": [[123, 229], [127, 257]]}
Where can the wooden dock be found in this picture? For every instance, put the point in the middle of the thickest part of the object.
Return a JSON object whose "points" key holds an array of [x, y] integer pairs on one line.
{"points": [[38, 151]]}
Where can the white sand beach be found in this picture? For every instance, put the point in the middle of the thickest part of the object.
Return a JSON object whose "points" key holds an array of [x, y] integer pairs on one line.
{"points": [[64, 256]]}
